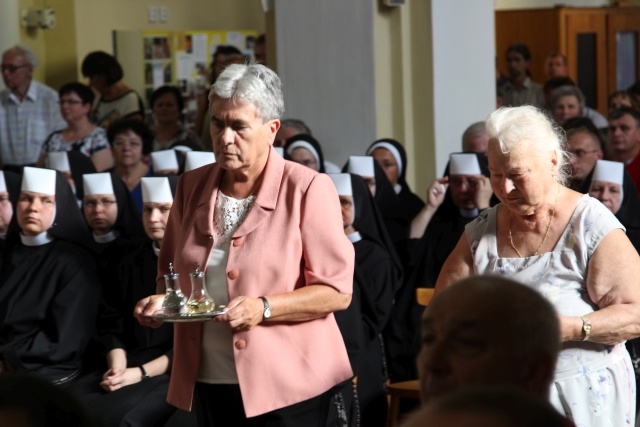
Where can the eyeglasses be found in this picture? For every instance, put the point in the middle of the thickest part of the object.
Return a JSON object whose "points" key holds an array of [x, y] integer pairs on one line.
{"points": [[92, 204], [12, 68], [457, 182], [581, 153]]}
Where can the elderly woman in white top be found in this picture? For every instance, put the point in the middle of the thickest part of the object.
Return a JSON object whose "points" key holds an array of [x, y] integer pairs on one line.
{"points": [[569, 247]]}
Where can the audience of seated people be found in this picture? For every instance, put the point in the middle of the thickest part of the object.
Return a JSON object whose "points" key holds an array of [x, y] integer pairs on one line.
{"points": [[119, 370]]}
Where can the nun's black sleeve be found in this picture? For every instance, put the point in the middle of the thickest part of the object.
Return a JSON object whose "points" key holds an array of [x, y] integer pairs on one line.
{"points": [[49, 313]]}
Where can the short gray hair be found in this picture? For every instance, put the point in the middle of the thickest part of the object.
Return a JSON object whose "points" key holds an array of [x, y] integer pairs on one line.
{"points": [[253, 83], [27, 53], [568, 90], [517, 127]]}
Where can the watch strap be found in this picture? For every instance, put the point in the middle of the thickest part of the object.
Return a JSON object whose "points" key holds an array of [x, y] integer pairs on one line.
{"points": [[145, 375], [266, 313]]}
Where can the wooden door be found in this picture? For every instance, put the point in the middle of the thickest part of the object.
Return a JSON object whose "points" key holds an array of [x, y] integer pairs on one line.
{"points": [[586, 49], [624, 48]]}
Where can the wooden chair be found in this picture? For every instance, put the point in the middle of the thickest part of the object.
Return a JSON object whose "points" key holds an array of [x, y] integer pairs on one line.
{"points": [[406, 389]]}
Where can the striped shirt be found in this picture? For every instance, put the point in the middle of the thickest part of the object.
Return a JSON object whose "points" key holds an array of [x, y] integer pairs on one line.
{"points": [[25, 125]]}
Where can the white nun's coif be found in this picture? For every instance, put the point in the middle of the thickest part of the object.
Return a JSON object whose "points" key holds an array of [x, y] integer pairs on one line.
{"points": [[196, 159], [361, 165], [464, 164], [156, 190], [97, 183], [38, 180]]}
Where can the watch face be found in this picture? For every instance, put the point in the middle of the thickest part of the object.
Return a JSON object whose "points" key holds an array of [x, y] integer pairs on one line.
{"points": [[267, 313]]}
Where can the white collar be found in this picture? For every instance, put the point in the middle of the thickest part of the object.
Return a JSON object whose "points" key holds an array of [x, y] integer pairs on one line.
{"points": [[38, 240], [106, 238], [354, 237], [156, 249]]}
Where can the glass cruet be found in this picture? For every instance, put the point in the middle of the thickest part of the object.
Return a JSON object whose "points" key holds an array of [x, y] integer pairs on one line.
{"points": [[175, 301], [199, 301]]}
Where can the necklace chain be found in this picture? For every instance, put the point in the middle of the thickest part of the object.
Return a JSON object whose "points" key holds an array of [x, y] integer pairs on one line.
{"points": [[544, 239]]}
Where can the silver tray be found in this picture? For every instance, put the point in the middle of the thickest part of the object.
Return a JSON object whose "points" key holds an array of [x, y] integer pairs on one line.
{"points": [[187, 317]]}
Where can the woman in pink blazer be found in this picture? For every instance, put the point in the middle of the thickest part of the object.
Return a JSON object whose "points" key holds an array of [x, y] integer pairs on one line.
{"points": [[270, 235]]}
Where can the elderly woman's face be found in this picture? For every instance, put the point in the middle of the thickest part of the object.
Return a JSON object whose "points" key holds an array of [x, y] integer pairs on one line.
{"points": [[35, 212], [521, 179], [241, 141], [6, 211], [609, 193], [388, 163], [565, 108], [304, 157], [127, 148]]}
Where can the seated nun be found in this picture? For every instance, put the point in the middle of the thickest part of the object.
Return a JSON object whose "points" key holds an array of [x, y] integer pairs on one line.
{"points": [[165, 162], [610, 183], [50, 293], [130, 386], [453, 201], [395, 218], [392, 158], [73, 166], [305, 150], [9, 191], [377, 276]]}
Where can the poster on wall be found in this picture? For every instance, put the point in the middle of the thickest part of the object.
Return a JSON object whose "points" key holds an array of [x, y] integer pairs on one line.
{"points": [[158, 61], [194, 52]]}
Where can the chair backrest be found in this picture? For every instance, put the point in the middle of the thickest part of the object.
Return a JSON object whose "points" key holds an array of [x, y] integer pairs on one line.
{"points": [[424, 295]]}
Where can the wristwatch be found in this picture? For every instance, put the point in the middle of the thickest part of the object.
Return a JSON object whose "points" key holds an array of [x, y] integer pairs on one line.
{"points": [[267, 309], [145, 376], [586, 328]]}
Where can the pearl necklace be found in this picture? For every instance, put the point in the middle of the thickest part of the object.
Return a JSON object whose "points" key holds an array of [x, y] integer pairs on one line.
{"points": [[544, 239]]}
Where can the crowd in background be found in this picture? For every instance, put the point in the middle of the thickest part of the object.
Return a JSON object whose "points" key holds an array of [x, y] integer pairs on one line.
{"points": [[82, 169]]}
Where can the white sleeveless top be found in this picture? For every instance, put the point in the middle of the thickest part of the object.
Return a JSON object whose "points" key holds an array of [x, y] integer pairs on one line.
{"points": [[559, 275]]}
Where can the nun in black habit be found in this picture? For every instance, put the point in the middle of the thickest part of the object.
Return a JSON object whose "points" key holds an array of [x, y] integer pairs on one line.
{"points": [[377, 276], [9, 192], [131, 384], [49, 291], [73, 165], [610, 183], [392, 158], [439, 227], [396, 220], [306, 150]]}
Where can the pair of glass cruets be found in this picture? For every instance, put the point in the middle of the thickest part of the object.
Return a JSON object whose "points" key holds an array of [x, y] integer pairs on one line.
{"points": [[175, 302]]}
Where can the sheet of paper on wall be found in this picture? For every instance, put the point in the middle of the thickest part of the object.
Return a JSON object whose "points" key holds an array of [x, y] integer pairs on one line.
{"points": [[199, 43], [158, 75], [235, 39], [185, 65]]}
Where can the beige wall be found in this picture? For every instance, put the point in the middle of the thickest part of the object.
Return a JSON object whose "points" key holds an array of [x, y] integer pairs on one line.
{"points": [[87, 25], [404, 85]]}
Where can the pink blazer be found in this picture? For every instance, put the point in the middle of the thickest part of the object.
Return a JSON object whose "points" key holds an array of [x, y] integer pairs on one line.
{"points": [[292, 236]]}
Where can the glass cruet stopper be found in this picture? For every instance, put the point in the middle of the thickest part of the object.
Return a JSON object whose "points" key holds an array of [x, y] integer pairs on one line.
{"points": [[175, 301], [199, 301]]}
